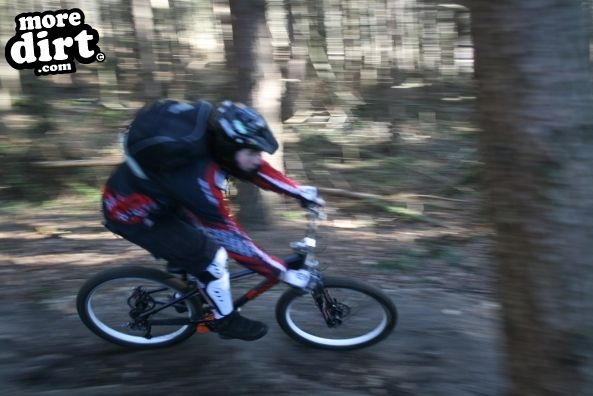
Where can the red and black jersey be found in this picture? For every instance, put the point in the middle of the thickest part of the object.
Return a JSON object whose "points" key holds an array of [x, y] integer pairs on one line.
{"points": [[197, 192]]}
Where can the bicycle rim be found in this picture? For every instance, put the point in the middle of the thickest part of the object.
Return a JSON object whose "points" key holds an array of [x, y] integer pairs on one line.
{"points": [[110, 304], [363, 316]]}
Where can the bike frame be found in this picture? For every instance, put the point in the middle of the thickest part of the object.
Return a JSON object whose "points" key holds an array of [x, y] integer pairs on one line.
{"points": [[303, 256], [293, 261]]}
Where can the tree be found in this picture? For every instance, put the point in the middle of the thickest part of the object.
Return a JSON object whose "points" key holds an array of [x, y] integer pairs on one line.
{"points": [[144, 30], [534, 80], [10, 83], [258, 84], [295, 69]]}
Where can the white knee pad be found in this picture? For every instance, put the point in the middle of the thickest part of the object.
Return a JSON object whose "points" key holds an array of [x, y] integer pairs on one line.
{"points": [[219, 289], [218, 267]]}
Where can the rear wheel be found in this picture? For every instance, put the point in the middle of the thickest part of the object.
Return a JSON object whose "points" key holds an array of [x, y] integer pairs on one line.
{"points": [[112, 302], [344, 314]]}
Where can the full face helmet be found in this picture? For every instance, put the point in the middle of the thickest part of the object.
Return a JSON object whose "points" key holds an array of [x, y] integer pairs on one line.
{"points": [[233, 127]]}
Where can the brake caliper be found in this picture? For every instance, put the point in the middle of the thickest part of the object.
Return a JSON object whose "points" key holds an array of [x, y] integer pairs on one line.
{"points": [[330, 308]]}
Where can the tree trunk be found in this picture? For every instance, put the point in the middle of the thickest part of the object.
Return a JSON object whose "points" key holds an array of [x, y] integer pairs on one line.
{"points": [[258, 85], [144, 29], [107, 75], [10, 82], [534, 78], [295, 70]]}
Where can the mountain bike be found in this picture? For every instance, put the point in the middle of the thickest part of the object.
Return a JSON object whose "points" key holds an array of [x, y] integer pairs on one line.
{"points": [[142, 307]]}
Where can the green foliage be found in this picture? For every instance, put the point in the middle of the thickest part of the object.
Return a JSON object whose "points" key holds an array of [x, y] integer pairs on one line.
{"points": [[450, 256], [404, 212], [18, 178], [85, 191], [406, 260], [409, 260], [399, 212], [443, 249], [113, 115], [401, 264], [21, 102], [42, 292], [72, 196], [292, 215], [312, 142]]}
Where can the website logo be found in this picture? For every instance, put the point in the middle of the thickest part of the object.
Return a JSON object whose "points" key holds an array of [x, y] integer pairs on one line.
{"points": [[49, 42]]}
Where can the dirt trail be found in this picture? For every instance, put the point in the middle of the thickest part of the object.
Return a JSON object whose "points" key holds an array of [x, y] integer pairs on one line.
{"points": [[446, 342]]}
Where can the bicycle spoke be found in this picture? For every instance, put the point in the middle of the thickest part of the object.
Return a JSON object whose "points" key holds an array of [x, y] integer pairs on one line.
{"points": [[343, 314], [117, 306], [363, 318]]}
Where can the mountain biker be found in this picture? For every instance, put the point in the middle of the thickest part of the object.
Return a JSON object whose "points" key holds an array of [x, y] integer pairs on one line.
{"points": [[180, 215]]}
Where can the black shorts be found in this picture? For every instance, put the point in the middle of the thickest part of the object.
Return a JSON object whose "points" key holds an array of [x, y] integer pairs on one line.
{"points": [[171, 239]]}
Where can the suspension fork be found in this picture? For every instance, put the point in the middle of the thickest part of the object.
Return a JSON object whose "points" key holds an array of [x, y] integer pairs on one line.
{"points": [[325, 303]]}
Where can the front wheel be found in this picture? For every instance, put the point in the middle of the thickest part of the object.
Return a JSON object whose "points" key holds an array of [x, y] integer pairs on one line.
{"points": [[343, 314], [114, 302]]}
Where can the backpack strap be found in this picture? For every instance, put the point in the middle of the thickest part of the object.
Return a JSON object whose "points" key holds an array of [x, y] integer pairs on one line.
{"points": [[201, 119], [132, 164]]}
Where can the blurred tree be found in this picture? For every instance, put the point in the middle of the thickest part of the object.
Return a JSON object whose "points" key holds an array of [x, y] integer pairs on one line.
{"points": [[257, 84], [144, 29], [535, 83], [107, 75], [10, 83], [295, 69]]}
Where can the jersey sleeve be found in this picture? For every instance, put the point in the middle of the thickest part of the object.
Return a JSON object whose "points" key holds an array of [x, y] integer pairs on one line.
{"points": [[208, 209], [271, 179]]}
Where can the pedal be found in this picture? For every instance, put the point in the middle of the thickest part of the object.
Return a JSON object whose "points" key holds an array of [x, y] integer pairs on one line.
{"points": [[202, 327]]}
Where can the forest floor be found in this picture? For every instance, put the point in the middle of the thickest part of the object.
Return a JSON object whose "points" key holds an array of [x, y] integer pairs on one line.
{"points": [[446, 343]]}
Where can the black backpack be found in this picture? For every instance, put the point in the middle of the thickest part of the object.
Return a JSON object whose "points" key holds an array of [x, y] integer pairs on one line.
{"points": [[167, 134]]}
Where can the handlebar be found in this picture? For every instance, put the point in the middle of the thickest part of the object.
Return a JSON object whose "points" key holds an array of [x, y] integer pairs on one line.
{"points": [[313, 204], [315, 212], [308, 243]]}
